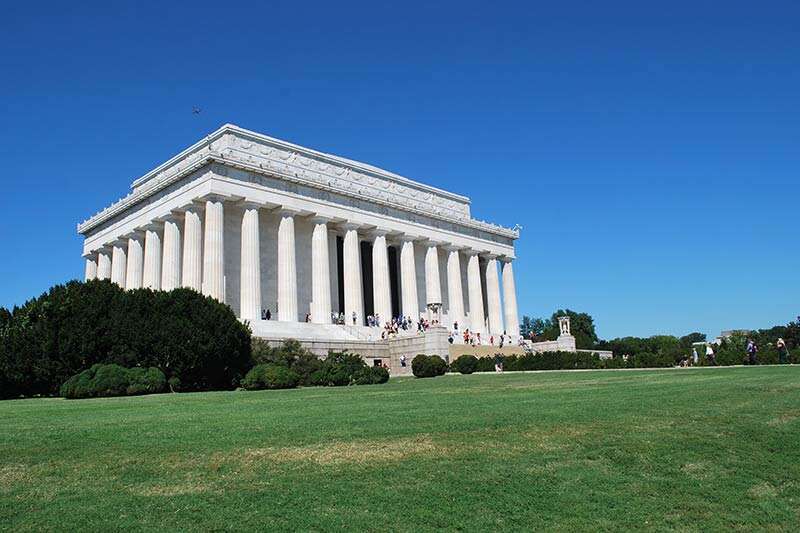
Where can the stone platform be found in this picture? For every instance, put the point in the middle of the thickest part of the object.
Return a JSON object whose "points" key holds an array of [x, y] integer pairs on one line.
{"points": [[319, 339]]}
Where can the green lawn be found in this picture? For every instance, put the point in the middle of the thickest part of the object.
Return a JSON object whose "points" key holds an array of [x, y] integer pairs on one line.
{"points": [[694, 449]]}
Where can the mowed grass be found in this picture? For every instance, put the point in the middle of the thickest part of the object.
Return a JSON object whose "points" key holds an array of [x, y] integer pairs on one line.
{"points": [[679, 449]]}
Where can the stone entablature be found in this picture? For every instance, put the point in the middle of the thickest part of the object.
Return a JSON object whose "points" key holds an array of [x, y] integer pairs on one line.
{"points": [[260, 154]]}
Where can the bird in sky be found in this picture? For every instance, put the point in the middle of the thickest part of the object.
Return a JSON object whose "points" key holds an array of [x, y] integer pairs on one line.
{"points": [[195, 110]]}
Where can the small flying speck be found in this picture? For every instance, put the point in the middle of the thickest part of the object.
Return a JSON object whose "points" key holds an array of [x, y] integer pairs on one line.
{"points": [[196, 110]]}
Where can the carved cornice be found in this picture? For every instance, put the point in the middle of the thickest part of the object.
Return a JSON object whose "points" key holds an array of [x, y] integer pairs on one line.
{"points": [[234, 146]]}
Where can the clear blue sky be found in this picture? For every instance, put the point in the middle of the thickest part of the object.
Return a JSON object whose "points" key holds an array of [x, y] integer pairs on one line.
{"points": [[651, 152]]}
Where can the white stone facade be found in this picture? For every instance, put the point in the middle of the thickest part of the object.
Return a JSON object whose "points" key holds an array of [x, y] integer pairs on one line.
{"points": [[261, 224]]}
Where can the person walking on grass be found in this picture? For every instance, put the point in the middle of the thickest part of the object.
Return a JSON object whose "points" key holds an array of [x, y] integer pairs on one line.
{"points": [[752, 352], [712, 358], [783, 352], [498, 363]]}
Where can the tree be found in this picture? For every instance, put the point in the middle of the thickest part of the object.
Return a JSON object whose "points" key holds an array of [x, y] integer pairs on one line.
{"points": [[532, 327], [691, 338], [190, 337]]}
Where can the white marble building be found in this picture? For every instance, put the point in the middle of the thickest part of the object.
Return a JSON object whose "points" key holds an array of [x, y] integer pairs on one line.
{"points": [[261, 223]]}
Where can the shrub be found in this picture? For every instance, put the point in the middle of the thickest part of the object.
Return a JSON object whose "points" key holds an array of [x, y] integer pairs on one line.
{"points": [[74, 326], [113, 380], [371, 376], [339, 369], [380, 375], [145, 381], [427, 366], [466, 364], [650, 360], [290, 354], [614, 362], [485, 364], [541, 361], [110, 380], [270, 376]]}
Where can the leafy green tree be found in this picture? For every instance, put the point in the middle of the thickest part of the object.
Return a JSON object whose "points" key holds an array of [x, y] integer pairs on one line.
{"points": [[190, 337], [526, 327], [691, 338]]}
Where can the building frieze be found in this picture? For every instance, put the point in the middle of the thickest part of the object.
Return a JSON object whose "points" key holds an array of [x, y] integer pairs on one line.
{"points": [[260, 154]]}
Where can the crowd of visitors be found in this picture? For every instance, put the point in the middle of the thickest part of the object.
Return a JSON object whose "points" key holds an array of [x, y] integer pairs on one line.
{"points": [[400, 324], [750, 355]]}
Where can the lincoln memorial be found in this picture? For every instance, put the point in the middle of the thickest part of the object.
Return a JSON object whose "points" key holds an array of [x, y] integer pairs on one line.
{"points": [[315, 239]]}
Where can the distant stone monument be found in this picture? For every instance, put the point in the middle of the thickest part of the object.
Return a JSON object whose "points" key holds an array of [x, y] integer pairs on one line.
{"points": [[563, 325], [566, 342]]}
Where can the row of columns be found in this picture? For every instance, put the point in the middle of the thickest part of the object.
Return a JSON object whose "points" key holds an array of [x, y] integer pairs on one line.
{"points": [[195, 259]]}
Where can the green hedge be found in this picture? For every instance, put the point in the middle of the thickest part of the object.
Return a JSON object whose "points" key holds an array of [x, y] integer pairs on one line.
{"points": [[291, 355], [428, 366], [113, 380], [543, 361], [466, 364], [371, 375], [192, 338], [345, 368], [270, 376]]}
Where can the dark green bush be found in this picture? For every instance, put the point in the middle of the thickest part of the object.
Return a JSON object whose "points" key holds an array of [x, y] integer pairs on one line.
{"points": [[113, 380], [290, 354], [614, 362], [540, 361], [428, 366], [110, 380], [466, 364], [74, 326], [485, 364], [345, 368], [650, 360], [371, 375], [380, 375], [270, 376], [145, 381]]}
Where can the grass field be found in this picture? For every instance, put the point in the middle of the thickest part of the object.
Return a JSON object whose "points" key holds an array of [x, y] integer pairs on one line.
{"points": [[684, 449]]}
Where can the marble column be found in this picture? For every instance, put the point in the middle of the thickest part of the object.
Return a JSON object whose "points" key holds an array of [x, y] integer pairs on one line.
{"points": [[408, 278], [320, 273], [287, 268], [353, 292], [151, 277], [214, 250], [475, 293], [433, 285], [455, 296], [192, 267], [493, 297], [250, 286], [510, 299], [134, 273], [91, 267], [119, 263], [103, 264], [381, 289], [171, 263]]}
